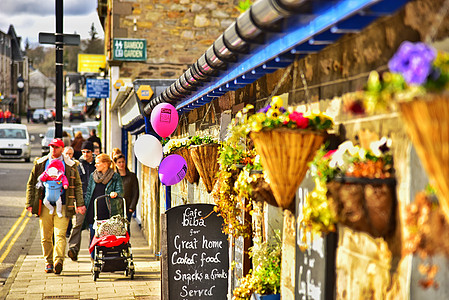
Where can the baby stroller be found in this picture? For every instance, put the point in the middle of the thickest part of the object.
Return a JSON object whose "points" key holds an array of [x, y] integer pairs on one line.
{"points": [[111, 253]]}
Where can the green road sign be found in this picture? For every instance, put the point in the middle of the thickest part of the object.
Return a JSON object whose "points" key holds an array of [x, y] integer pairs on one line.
{"points": [[130, 49]]}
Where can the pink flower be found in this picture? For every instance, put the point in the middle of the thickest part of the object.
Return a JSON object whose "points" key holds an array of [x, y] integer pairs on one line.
{"points": [[329, 153], [299, 119]]}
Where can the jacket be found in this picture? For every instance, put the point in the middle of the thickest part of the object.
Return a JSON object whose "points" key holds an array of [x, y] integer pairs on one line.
{"points": [[74, 194], [131, 190], [114, 205], [85, 169]]}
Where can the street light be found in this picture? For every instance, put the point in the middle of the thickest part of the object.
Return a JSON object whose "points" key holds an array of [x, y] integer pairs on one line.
{"points": [[20, 88]]}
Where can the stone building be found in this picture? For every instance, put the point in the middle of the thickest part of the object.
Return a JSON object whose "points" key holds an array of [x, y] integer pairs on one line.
{"points": [[311, 63], [13, 64]]}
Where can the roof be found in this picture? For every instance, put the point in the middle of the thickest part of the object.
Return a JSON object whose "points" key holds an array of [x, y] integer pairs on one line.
{"points": [[13, 125]]}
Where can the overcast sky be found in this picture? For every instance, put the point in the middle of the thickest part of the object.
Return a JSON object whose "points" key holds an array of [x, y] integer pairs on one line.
{"points": [[29, 17]]}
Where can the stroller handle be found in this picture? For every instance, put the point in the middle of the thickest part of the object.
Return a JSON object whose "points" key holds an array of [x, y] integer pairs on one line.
{"points": [[108, 196]]}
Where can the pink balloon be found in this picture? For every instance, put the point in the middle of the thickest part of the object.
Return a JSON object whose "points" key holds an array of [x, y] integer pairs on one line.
{"points": [[164, 119], [172, 169]]}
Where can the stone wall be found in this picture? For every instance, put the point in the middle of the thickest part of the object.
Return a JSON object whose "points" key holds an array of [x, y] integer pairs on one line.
{"points": [[178, 32]]}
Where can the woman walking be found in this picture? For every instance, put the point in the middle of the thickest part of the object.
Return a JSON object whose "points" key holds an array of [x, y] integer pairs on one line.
{"points": [[130, 185], [77, 143], [103, 181]]}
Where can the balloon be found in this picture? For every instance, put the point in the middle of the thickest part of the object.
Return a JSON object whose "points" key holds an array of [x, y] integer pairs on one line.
{"points": [[148, 150], [164, 119], [173, 169]]}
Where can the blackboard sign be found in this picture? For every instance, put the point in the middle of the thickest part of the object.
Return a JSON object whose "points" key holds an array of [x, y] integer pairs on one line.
{"points": [[195, 254]]}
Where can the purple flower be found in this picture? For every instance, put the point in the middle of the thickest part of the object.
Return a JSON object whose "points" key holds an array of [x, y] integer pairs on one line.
{"points": [[265, 109], [413, 61]]}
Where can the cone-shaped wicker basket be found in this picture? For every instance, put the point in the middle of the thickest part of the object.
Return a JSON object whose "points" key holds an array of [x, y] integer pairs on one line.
{"points": [[192, 175], [427, 123], [205, 159], [284, 155]]}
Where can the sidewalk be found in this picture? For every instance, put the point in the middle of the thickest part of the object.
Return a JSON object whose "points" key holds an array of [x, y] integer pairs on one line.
{"points": [[29, 281]]}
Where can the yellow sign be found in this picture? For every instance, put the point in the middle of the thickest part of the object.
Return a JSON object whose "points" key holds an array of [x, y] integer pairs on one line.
{"points": [[91, 63], [118, 84], [144, 92]]}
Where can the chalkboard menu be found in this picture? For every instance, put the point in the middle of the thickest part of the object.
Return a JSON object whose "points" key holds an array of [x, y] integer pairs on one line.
{"points": [[195, 259]]}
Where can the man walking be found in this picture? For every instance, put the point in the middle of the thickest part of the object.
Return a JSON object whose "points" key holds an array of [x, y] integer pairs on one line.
{"points": [[94, 138], [52, 224], [85, 168]]}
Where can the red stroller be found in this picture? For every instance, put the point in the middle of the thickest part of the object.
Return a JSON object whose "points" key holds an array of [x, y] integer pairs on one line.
{"points": [[111, 253]]}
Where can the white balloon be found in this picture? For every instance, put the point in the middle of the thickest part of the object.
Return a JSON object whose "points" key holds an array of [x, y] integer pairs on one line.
{"points": [[148, 150]]}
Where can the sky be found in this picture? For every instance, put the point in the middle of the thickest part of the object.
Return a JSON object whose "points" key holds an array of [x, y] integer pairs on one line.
{"points": [[29, 17]]}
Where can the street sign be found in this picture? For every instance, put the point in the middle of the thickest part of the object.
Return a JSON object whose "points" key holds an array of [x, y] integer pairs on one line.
{"points": [[67, 39], [97, 88], [144, 92], [91, 63], [130, 49], [118, 84]]}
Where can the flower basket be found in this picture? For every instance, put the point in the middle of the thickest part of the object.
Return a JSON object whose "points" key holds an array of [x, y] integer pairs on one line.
{"points": [[261, 191], [205, 159], [285, 154], [364, 204], [192, 174], [266, 297], [427, 124]]}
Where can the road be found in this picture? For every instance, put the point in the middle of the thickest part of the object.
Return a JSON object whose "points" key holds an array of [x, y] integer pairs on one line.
{"points": [[17, 227]]}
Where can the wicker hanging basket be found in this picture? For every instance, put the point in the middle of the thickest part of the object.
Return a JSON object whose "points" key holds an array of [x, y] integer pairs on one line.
{"points": [[205, 159], [285, 154], [261, 191], [427, 123], [364, 204], [192, 175]]}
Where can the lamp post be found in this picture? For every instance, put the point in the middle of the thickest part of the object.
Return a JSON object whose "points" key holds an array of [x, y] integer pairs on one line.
{"points": [[20, 88]]}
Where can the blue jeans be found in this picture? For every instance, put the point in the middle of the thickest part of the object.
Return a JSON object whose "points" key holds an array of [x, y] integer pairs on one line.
{"points": [[92, 234]]}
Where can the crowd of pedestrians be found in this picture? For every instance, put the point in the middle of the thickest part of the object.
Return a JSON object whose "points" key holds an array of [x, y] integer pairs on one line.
{"points": [[8, 117], [89, 176]]}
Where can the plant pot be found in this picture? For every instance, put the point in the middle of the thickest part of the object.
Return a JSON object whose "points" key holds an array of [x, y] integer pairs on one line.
{"points": [[427, 124], [285, 154], [266, 297], [364, 204], [205, 159], [192, 174], [261, 191]]}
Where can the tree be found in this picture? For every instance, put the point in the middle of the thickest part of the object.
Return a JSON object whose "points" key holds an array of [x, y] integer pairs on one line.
{"points": [[93, 32]]}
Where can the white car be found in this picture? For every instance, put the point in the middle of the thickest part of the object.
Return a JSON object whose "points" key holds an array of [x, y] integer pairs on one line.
{"points": [[14, 142], [42, 115], [46, 139]]}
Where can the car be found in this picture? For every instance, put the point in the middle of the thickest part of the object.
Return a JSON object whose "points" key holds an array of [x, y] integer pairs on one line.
{"points": [[84, 130], [49, 135], [42, 115], [77, 114], [15, 142], [91, 125]]}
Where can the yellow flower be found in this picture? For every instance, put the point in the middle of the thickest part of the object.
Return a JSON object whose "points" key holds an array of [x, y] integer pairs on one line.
{"points": [[256, 126], [276, 102], [273, 113]]}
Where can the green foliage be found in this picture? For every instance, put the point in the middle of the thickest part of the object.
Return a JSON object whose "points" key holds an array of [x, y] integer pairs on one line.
{"points": [[244, 5], [265, 278]]}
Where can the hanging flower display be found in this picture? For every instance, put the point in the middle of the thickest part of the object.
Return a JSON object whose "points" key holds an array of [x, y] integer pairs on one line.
{"points": [[359, 185], [286, 141]]}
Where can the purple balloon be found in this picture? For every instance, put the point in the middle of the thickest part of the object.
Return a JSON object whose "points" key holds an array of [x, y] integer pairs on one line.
{"points": [[164, 119], [172, 169]]}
